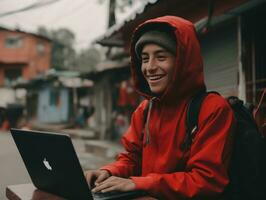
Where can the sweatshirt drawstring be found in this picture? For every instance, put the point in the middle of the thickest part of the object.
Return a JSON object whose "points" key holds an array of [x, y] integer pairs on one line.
{"points": [[147, 141]]}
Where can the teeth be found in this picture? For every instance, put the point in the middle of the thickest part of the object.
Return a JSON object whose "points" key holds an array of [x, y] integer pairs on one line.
{"points": [[156, 77]]}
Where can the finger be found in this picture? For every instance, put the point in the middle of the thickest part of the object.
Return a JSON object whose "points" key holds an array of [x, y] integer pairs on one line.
{"points": [[88, 177], [109, 189], [101, 178], [103, 186], [111, 179], [120, 184]]}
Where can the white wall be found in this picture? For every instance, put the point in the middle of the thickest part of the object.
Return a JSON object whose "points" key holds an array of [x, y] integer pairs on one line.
{"points": [[7, 96]]}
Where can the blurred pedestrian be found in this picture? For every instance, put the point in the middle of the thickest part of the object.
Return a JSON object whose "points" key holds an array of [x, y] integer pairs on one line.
{"points": [[4, 122]]}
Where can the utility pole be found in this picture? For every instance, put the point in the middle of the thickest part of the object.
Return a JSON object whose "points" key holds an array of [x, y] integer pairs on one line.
{"points": [[111, 14]]}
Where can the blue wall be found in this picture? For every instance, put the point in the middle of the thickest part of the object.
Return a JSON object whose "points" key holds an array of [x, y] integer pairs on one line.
{"points": [[53, 105]]}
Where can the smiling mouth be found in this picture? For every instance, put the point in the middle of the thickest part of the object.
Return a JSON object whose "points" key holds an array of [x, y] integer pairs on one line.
{"points": [[155, 77]]}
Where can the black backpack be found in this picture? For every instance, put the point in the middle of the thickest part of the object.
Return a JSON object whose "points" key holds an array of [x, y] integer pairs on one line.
{"points": [[247, 171]]}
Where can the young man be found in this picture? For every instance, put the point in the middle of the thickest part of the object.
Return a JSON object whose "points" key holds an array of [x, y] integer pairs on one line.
{"points": [[167, 69]]}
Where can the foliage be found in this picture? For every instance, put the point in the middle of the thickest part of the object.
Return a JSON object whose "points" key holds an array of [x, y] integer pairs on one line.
{"points": [[63, 52], [88, 58], [64, 55]]}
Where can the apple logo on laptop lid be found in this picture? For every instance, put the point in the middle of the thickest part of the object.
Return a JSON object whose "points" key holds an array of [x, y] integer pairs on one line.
{"points": [[47, 164]]}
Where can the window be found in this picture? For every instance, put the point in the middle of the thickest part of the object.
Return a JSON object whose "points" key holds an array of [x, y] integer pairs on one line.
{"points": [[11, 75], [40, 48], [55, 97], [13, 41]]}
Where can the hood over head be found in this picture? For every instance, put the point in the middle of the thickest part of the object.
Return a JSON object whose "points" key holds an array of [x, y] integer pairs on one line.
{"points": [[188, 76], [167, 40]]}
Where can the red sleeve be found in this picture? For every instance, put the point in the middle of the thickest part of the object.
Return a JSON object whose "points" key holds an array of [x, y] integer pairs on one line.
{"points": [[128, 163], [206, 169]]}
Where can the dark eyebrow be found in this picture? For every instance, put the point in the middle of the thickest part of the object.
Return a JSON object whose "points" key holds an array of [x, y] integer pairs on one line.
{"points": [[156, 52], [161, 51], [144, 54]]}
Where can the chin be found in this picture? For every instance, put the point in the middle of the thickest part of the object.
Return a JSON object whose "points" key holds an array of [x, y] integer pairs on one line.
{"points": [[156, 92]]}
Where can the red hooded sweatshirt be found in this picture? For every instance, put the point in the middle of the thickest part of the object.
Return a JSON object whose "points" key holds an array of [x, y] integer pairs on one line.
{"points": [[153, 156]]}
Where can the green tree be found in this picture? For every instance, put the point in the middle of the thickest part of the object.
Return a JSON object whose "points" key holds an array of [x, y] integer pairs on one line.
{"points": [[63, 52], [88, 58]]}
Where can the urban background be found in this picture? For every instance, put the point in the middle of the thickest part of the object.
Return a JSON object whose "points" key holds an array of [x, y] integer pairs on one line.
{"points": [[46, 83]]}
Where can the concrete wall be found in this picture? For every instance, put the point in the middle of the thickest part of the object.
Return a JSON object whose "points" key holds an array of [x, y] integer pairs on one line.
{"points": [[7, 96]]}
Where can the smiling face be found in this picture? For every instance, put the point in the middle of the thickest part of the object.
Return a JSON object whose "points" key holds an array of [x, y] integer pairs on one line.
{"points": [[157, 67]]}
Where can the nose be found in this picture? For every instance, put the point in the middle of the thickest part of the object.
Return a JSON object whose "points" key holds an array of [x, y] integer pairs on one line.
{"points": [[151, 65]]}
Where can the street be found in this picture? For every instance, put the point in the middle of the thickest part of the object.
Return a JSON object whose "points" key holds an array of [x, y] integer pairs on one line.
{"points": [[12, 169]]}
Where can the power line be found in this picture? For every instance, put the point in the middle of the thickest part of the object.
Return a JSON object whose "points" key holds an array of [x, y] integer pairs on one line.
{"points": [[29, 7], [71, 12]]}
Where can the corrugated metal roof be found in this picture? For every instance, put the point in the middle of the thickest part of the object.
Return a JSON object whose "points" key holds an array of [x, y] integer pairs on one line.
{"points": [[115, 28], [111, 64], [114, 35]]}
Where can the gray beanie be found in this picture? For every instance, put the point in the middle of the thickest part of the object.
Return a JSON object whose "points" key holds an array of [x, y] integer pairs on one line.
{"points": [[160, 38]]}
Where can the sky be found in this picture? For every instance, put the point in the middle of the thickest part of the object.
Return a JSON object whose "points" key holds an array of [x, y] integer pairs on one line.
{"points": [[86, 18]]}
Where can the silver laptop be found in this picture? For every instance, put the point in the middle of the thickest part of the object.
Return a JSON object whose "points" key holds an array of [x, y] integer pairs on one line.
{"points": [[53, 166]]}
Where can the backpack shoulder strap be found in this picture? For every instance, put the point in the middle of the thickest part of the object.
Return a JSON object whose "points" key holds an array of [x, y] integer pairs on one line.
{"points": [[192, 116]]}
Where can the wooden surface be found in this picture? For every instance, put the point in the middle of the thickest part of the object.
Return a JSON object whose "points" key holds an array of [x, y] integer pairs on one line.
{"points": [[28, 191]]}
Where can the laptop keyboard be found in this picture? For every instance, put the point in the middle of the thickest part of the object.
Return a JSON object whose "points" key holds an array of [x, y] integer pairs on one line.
{"points": [[106, 194], [118, 195]]}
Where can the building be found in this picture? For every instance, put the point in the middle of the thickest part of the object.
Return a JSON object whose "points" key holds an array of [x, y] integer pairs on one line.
{"points": [[55, 99], [22, 55], [105, 95]]}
